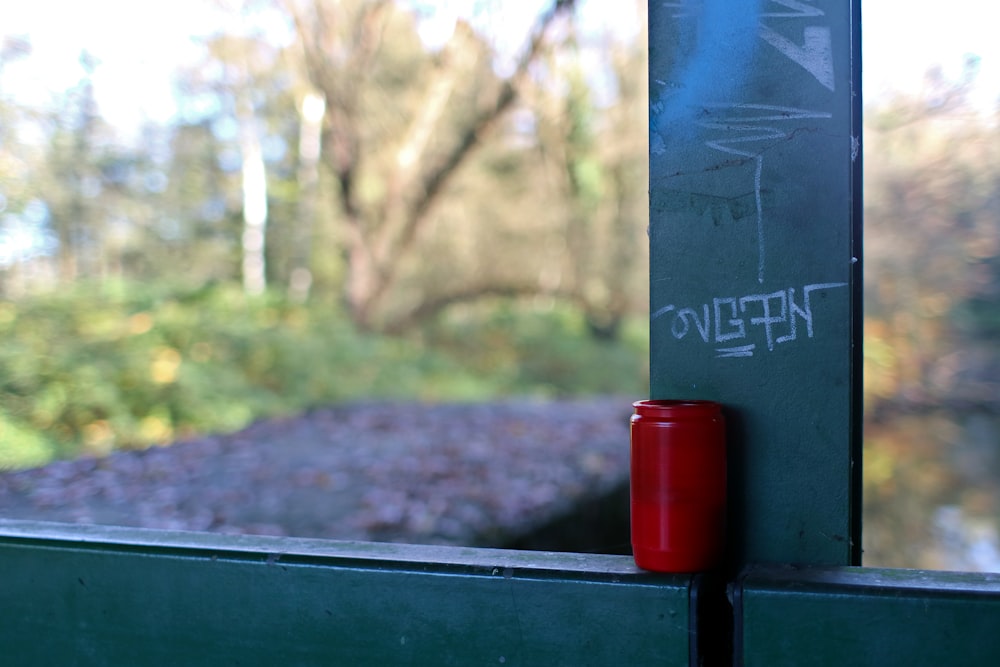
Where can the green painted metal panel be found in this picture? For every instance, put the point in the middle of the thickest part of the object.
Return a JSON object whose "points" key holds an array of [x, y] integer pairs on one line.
{"points": [[77, 595], [867, 616], [754, 253]]}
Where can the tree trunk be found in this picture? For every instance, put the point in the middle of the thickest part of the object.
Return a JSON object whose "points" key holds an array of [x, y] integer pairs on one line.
{"points": [[310, 144], [379, 240], [254, 207]]}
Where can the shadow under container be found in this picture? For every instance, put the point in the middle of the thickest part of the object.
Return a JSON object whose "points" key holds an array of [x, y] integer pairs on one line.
{"points": [[678, 485]]}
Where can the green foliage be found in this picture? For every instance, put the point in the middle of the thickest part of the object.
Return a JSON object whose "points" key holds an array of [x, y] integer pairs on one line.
{"points": [[88, 371], [22, 447], [543, 347]]}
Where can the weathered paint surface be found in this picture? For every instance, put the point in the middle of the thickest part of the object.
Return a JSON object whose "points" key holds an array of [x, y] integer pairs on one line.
{"points": [[74, 595], [755, 257], [861, 616]]}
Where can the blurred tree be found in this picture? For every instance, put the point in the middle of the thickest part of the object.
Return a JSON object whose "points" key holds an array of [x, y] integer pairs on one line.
{"points": [[72, 159], [626, 160], [233, 166], [605, 180], [312, 109], [378, 150], [932, 197], [15, 165], [393, 137], [246, 61], [74, 189]]}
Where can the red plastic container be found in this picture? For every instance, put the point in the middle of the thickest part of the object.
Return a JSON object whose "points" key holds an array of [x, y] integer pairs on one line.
{"points": [[678, 485]]}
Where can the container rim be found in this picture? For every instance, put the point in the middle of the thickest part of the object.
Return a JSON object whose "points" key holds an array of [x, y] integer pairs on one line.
{"points": [[676, 407], [673, 402]]}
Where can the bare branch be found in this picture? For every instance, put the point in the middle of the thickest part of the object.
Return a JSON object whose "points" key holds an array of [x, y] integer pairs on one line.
{"points": [[433, 306], [435, 182], [340, 72], [437, 179], [430, 110], [368, 36]]}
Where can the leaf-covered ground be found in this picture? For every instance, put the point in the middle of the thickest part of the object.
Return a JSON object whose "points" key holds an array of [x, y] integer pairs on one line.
{"points": [[466, 474]]}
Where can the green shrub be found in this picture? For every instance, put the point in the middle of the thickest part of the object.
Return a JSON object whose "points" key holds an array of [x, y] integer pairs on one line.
{"points": [[544, 348], [91, 370]]}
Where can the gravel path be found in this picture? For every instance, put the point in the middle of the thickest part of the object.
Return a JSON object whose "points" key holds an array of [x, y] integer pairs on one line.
{"points": [[463, 474]]}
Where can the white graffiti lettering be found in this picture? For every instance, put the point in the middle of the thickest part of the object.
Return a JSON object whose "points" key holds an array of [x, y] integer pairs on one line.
{"points": [[815, 53], [777, 315]]}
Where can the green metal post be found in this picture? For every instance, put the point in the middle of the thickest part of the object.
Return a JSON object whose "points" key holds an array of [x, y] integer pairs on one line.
{"points": [[755, 257]]}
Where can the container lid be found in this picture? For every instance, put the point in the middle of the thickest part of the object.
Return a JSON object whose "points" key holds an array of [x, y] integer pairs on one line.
{"points": [[677, 409]]}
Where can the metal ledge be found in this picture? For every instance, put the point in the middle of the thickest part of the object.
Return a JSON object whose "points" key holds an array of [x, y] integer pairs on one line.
{"points": [[97, 595], [867, 616]]}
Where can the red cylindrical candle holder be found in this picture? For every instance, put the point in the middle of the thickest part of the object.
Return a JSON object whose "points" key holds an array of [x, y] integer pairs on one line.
{"points": [[678, 485]]}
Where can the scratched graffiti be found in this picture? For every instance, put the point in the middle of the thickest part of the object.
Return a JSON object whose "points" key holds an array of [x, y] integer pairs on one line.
{"points": [[743, 129], [712, 44], [813, 53], [744, 125], [736, 325]]}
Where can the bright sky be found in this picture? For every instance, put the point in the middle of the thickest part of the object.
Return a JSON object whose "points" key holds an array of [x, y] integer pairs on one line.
{"points": [[139, 42], [903, 38]]}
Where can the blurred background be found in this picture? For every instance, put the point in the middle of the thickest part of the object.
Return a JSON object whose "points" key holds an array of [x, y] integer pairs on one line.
{"points": [[213, 212]]}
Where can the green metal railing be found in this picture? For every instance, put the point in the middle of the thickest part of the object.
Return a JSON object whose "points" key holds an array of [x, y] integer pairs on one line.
{"points": [[77, 595]]}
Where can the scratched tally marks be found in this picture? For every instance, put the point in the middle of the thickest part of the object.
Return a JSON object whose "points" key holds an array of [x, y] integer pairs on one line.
{"points": [[754, 253]]}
